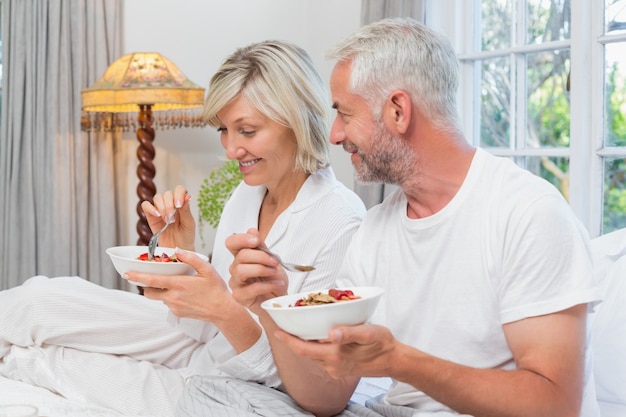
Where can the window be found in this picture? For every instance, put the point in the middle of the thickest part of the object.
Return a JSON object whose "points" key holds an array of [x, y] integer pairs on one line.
{"points": [[544, 83], [613, 149]]}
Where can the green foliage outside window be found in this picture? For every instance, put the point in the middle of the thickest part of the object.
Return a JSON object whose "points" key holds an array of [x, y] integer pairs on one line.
{"points": [[615, 182], [548, 99], [616, 107]]}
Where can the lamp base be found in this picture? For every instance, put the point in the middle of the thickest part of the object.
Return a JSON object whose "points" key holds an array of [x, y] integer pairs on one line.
{"points": [[145, 170]]}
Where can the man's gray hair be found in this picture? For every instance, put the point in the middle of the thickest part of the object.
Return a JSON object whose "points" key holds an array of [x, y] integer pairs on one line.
{"points": [[403, 54]]}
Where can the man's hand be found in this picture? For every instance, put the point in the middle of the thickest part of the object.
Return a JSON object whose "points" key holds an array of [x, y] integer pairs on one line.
{"points": [[364, 350]]}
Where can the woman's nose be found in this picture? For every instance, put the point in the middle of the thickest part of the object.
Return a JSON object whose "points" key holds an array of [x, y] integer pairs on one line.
{"points": [[233, 150]]}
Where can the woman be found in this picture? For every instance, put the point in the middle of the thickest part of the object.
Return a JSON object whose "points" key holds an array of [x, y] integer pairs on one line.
{"points": [[270, 106]]}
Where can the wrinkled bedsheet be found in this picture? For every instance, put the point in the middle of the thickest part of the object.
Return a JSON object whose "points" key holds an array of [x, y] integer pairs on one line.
{"points": [[52, 405], [49, 404]]}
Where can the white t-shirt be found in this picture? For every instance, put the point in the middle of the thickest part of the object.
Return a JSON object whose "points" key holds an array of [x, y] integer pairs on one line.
{"points": [[314, 230], [506, 247]]}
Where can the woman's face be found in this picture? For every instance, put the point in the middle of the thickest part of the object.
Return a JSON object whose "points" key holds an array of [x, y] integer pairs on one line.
{"points": [[266, 150]]}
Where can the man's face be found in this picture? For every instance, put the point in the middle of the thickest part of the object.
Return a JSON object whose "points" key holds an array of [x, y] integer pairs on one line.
{"points": [[352, 127], [376, 154]]}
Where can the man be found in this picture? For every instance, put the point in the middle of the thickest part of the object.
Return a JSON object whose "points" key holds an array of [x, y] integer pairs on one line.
{"points": [[486, 271]]}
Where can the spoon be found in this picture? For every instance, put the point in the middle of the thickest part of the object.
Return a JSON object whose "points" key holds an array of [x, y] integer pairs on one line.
{"points": [[287, 265], [152, 244]]}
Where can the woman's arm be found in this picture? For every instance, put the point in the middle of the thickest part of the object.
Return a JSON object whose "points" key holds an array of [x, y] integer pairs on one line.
{"points": [[203, 297]]}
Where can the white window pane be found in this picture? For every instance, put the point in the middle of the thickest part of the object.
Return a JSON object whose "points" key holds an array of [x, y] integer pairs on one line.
{"points": [[615, 16], [547, 20], [495, 99], [548, 118], [496, 24], [614, 211], [615, 94], [553, 169]]}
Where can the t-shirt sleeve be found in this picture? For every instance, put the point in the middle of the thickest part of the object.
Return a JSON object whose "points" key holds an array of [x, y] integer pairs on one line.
{"points": [[546, 262]]}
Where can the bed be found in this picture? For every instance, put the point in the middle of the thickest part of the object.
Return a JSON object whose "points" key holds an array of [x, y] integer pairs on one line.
{"points": [[52, 405], [49, 404], [609, 344]]}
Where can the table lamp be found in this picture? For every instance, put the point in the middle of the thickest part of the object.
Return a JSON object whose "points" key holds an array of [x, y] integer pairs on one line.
{"points": [[151, 84]]}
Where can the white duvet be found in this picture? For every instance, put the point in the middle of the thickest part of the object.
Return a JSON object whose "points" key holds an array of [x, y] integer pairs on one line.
{"points": [[52, 405], [48, 403]]}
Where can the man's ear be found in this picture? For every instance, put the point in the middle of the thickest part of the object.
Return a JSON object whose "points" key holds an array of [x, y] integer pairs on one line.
{"points": [[398, 108]]}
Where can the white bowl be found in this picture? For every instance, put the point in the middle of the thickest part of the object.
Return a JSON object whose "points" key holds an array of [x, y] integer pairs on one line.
{"points": [[124, 259], [313, 322]]}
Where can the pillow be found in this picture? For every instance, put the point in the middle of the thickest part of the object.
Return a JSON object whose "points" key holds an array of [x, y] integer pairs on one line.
{"points": [[608, 341], [605, 250]]}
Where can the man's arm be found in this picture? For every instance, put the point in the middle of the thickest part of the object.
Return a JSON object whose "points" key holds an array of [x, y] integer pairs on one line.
{"points": [[308, 383], [548, 352], [305, 380]]}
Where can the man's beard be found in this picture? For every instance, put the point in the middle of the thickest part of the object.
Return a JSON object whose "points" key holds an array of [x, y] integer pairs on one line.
{"points": [[390, 160]]}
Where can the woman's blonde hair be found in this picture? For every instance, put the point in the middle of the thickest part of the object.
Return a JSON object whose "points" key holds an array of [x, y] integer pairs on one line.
{"points": [[279, 79]]}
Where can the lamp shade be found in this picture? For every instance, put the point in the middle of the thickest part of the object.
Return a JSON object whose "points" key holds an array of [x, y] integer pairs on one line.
{"points": [[151, 85], [142, 78]]}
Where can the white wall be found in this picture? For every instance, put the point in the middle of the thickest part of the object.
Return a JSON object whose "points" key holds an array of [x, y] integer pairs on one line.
{"points": [[197, 35]]}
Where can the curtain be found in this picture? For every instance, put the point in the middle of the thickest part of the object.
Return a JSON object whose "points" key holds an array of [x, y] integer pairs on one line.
{"points": [[56, 182], [372, 10]]}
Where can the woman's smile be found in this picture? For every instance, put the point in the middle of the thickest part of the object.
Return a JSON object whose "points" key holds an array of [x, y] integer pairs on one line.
{"points": [[249, 163]]}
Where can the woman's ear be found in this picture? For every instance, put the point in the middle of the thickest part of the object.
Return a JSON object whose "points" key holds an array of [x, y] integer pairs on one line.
{"points": [[398, 108]]}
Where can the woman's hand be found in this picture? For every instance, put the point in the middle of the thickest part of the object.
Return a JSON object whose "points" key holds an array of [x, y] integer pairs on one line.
{"points": [[180, 234], [204, 296], [255, 275]]}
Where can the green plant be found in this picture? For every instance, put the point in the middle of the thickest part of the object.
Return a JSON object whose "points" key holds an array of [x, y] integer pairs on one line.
{"points": [[214, 192]]}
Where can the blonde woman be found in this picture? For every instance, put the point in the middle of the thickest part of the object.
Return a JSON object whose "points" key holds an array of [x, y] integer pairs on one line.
{"points": [[133, 354]]}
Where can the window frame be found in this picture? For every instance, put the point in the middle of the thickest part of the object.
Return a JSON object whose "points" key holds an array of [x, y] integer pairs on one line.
{"points": [[586, 152]]}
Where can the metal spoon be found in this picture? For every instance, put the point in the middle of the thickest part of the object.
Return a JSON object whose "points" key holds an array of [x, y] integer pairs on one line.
{"points": [[152, 244], [287, 265]]}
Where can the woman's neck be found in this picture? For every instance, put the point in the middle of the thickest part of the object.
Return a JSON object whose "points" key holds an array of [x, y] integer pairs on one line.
{"points": [[277, 198]]}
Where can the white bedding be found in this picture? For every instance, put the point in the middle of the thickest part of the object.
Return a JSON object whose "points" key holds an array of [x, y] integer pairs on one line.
{"points": [[607, 250], [49, 404], [52, 405]]}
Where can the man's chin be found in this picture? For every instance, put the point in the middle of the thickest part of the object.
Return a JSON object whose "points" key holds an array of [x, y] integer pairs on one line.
{"points": [[368, 178], [364, 179], [360, 176]]}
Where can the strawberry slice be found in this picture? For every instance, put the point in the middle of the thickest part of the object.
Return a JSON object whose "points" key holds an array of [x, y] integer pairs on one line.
{"points": [[342, 294]]}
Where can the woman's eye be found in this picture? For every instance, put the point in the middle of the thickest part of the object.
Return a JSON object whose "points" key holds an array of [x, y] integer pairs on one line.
{"points": [[247, 132], [221, 129]]}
